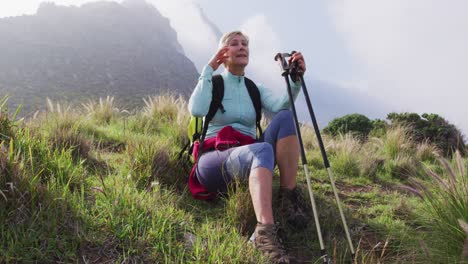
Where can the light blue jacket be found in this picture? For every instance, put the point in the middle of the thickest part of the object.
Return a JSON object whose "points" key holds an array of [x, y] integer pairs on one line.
{"points": [[240, 112]]}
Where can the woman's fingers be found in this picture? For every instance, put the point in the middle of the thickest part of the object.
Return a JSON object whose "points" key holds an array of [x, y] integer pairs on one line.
{"points": [[222, 59], [222, 52], [219, 58], [297, 57]]}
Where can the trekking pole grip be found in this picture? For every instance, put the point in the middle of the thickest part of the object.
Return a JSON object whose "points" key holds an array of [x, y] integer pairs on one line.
{"points": [[294, 70], [281, 59]]}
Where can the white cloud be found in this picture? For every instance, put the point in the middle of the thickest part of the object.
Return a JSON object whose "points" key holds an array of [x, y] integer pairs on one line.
{"points": [[200, 42], [29, 7], [264, 44], [414, 52], [196, 37], [19, 7]]}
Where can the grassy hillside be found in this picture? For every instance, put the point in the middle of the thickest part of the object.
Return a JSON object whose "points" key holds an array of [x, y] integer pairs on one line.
{"points": [[92, 183]]}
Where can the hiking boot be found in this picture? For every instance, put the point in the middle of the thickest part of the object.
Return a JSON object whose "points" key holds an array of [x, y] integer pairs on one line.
{"points": [[292, 207], [265, 238]]}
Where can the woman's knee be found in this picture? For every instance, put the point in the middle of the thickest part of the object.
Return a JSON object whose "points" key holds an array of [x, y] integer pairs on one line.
{"points": [[284, 115], [286, 120], [262, 149], [264, 155]]}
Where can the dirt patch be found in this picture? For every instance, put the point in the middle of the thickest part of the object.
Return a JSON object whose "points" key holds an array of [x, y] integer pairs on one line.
{"points": [[346, 189], [109, 146]]}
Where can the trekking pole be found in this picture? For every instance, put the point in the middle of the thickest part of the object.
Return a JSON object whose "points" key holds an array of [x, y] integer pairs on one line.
{"points": [[294, 71], [285, 72]]}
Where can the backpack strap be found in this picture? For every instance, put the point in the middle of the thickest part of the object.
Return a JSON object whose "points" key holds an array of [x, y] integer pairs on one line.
{"points": [[255, 97], [216, 103], [217, 96]]}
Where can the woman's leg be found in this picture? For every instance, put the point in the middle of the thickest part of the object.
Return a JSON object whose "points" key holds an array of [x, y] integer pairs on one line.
{"points": [[260, 187], [257, 158], [217, 168], [281, 134], [287, 157]]}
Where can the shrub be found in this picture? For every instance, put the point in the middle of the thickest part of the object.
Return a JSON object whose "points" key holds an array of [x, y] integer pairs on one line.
{"points": [[433, 128], [379, 128], [357, 124]]}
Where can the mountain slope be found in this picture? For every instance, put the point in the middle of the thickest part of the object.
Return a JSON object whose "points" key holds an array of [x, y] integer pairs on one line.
{"points": [[104, 48]]}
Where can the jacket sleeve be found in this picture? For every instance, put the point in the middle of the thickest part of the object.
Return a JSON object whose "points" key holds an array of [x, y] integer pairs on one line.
{"points": [[199, 102], [275, 102]]}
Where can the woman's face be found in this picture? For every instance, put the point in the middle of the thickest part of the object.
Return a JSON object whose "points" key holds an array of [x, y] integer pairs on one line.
{"points": [[238, 51]]}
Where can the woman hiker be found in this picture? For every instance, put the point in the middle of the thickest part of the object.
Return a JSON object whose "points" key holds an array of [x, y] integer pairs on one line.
{"points": [[278, 145]]}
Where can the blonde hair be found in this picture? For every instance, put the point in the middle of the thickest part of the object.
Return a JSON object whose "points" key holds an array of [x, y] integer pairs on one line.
{"points": [[228, 36]]}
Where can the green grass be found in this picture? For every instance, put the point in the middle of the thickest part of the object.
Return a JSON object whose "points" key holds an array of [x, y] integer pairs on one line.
{"points": [[446, 204], [102, 185]]}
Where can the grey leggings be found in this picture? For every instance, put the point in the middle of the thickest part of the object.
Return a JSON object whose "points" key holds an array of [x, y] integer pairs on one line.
{"points": [[216, 169]]}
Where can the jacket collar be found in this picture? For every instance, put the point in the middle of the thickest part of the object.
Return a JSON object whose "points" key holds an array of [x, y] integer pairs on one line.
{"points": [[231, 77]]}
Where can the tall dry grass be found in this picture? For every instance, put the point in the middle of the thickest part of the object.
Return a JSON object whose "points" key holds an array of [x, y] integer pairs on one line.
{"points": [[396, 142], [163, 110], [61, 115], [342, 151], [166, 107], [103, 110], [427, 152]]}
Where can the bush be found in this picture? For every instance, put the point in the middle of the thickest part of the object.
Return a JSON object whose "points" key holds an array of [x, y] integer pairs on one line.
{"points": [[433, 128], [357, 124], [379, 128]]}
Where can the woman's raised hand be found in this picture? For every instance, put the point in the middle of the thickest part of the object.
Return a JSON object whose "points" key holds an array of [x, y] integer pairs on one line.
{"points": [[219, 58], [297, 56]]}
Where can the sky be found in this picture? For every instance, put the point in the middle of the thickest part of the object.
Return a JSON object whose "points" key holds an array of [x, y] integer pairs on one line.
{"points": [[410, 56]]}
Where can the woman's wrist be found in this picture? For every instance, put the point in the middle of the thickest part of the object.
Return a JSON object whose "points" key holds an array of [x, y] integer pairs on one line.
{"points": [[211, 64], [207, 71]]}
